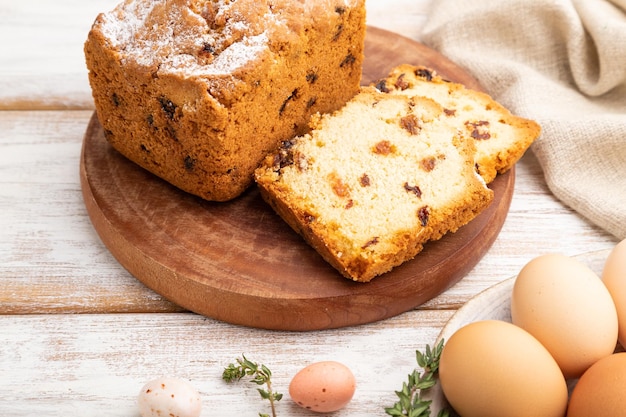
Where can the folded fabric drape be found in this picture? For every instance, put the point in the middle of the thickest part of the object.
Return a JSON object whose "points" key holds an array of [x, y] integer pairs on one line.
{"points": [[563, 64]]}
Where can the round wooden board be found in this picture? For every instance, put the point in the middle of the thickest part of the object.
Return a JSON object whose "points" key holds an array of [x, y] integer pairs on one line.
{"points": [[240, 263]]}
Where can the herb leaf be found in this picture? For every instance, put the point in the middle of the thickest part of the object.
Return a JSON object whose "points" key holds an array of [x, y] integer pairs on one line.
{"points": [[260, 375], [410, 402]]}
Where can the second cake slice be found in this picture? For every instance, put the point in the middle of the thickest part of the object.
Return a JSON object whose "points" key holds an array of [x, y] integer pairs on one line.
{"points": [[375, 181], [501, 138]]}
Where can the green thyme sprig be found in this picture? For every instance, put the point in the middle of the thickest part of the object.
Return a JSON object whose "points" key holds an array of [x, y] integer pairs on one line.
{"points": [[261, 375], [410, 402]]}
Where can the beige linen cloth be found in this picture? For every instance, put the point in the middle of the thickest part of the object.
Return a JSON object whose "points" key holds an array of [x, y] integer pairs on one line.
{"points": [[563, 64]]}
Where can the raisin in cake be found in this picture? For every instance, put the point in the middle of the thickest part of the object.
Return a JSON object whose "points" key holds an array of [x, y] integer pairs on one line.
{"points": [[371, 183], [199, 91], [501, 138]]}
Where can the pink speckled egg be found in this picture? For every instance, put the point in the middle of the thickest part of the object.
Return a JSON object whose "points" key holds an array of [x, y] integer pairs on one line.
{"points": [[323, 387]]}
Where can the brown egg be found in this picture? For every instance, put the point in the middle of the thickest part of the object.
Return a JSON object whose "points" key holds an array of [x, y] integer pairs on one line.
{"points": [[323, 387], [493, 368], [601, 391], [614, 277], [565, 305]]}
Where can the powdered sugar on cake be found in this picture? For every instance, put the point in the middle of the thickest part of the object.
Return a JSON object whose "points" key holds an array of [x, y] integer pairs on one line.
{"points": [[215, 39]]}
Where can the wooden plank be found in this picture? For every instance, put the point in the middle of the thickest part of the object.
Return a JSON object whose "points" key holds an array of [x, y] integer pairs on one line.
{"points": [[52, 259], [44, 40], [95, 365]]}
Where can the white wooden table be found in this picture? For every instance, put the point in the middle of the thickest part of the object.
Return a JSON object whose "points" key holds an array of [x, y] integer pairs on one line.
{"points": [[80, 336]]}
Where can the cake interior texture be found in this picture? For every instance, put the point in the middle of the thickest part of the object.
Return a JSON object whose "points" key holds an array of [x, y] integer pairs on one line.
{"points": [[198, 92], [371, 183]]}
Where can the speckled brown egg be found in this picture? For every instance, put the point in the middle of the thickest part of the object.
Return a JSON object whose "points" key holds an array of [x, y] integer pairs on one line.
{"points": [[323, 387]]}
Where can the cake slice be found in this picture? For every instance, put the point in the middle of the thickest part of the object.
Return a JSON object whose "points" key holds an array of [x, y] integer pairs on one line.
{"points": [[199, 91], [501, 138], [374, 181]]}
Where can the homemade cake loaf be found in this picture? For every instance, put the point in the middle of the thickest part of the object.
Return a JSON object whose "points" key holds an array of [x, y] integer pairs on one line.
{"points": [[199, 91], [374, 181], [501, 138]]}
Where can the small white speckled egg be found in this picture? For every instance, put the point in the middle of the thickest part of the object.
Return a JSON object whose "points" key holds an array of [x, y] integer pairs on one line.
{"points": [[173, 397], [323, 387]]}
